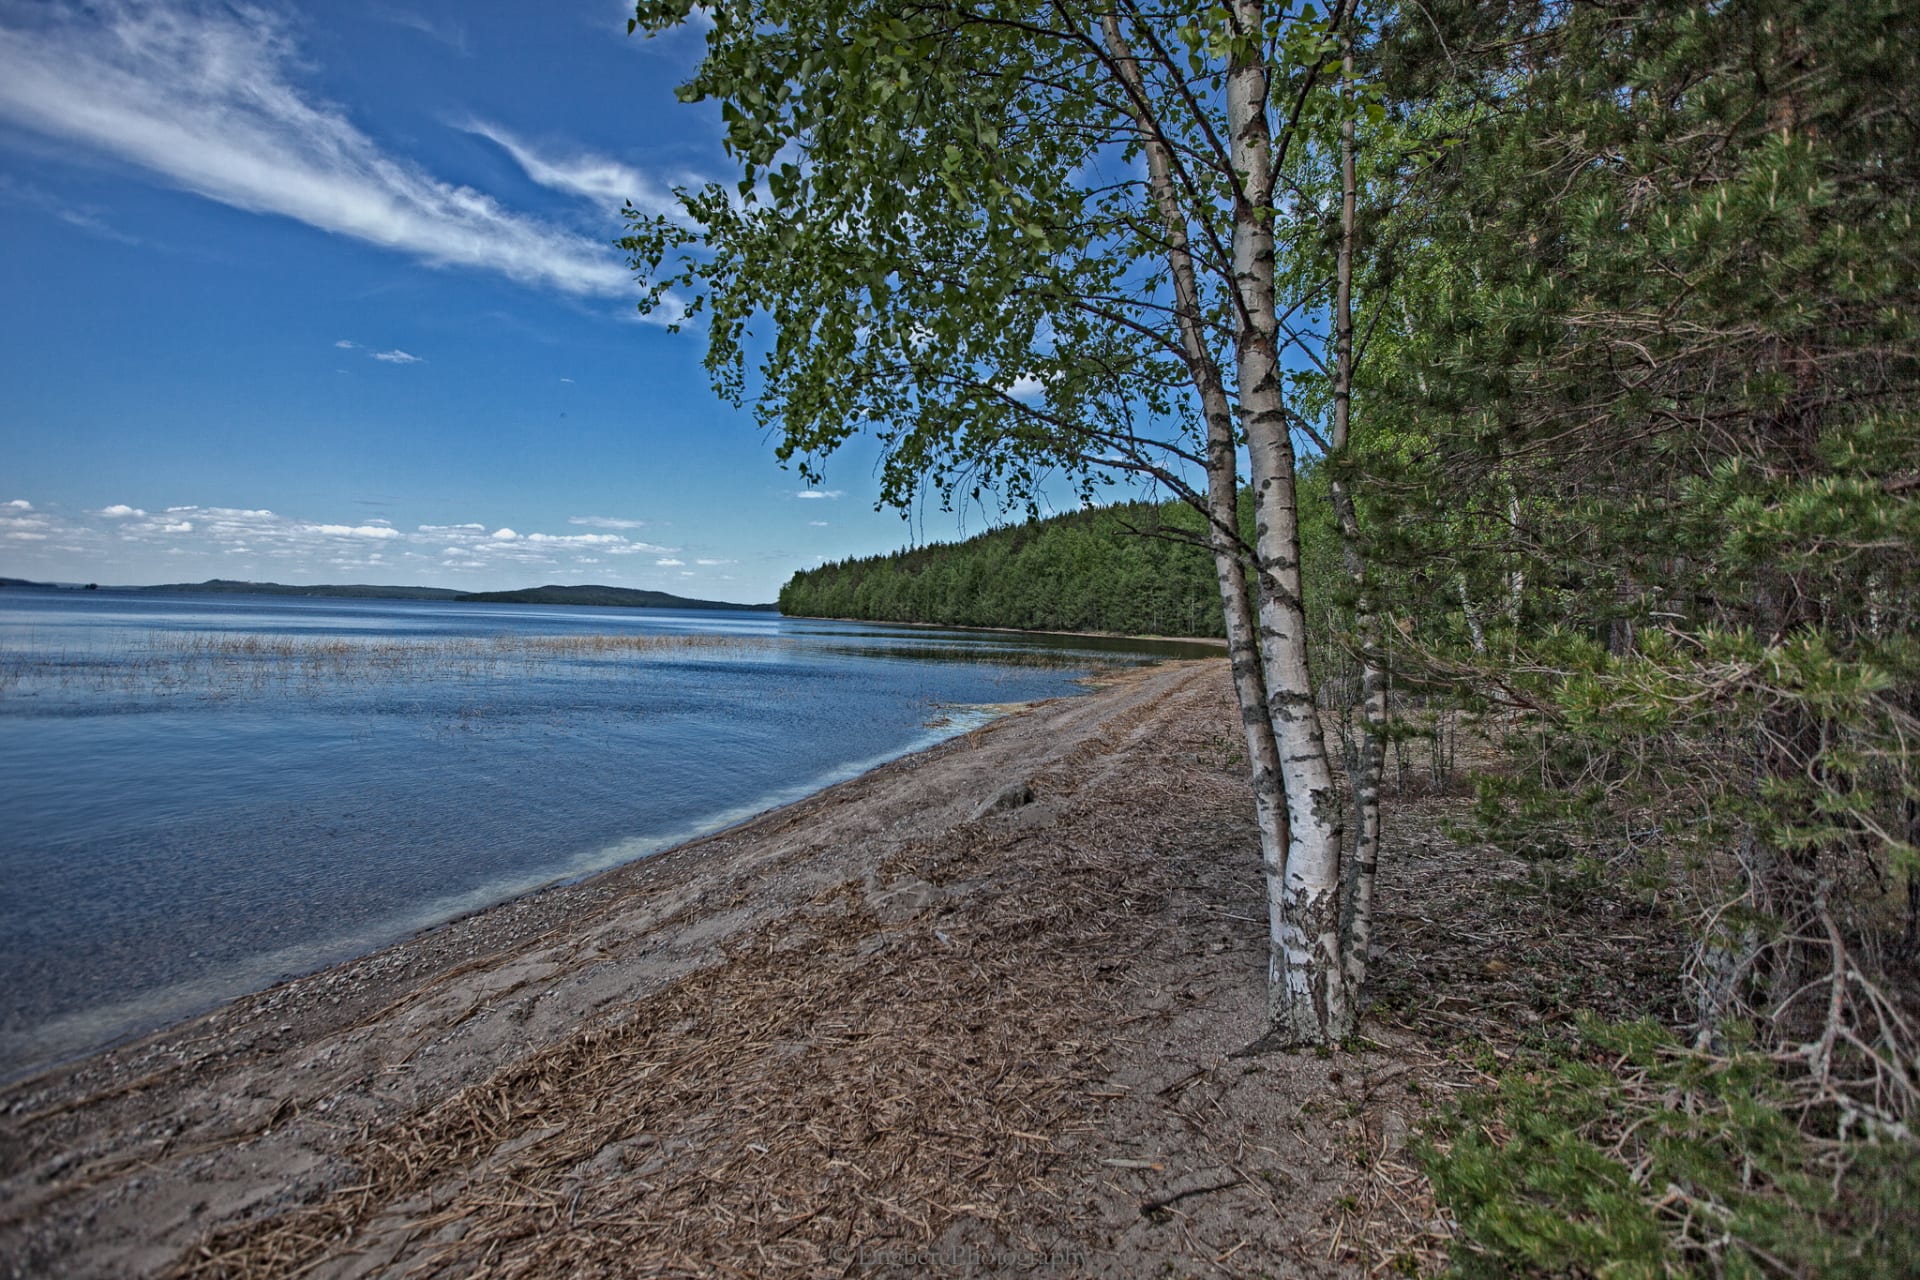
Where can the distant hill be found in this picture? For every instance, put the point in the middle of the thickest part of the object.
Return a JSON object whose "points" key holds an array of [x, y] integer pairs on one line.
{"points": [[608, 597], [349, 591], [615, 597]]}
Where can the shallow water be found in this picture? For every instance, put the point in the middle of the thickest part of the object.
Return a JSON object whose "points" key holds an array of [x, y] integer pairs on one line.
{"points": [[203, 795]]}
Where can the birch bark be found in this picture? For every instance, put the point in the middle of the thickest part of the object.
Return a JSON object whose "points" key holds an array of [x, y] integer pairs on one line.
{"points": [[1310, 1003], [1223, 522], [1356, 925]]}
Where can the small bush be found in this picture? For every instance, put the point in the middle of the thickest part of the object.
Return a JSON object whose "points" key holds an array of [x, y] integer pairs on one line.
{"points": [[1626, 1156]]}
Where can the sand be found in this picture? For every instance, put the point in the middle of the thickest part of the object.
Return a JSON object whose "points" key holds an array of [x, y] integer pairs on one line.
{"points": [[982, 1011]]}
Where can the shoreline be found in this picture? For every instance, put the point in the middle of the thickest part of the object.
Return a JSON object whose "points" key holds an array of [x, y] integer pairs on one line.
{"points": [[983, 1002], [177, 1006], [311, 1009], [682, 844], [1215, 644]]}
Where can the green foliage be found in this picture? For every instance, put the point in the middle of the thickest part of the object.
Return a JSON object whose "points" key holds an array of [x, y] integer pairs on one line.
{"points": [[1651, 416], [1131, 568], [917, 233], [1134, 568], [1626, 1156], [1637, 442]]}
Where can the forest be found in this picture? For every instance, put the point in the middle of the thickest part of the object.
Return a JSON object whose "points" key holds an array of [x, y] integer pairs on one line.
{"points": [[1136, 568], [1585, 336], [1099, 570]]}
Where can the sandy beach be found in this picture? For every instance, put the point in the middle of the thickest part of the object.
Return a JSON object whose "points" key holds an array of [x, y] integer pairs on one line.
{"points": [[981, 1011]]}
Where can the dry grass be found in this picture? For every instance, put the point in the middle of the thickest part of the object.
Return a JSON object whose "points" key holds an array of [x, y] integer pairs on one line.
{"points": [[830, 1086]]}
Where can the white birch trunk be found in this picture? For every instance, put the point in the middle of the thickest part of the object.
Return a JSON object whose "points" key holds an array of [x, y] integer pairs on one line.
{"points": [[1475, 632], [1517, 578], [1223, 521], [1356, 926], [1308, 1003]]}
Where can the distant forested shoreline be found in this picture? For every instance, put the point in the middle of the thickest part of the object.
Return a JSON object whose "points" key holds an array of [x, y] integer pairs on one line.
{"points": [[1134, 568], [555, 594]]}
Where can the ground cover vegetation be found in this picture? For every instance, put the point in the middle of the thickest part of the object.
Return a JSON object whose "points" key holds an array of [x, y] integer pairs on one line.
{"points": [[1661, 386], [1599, 318]]}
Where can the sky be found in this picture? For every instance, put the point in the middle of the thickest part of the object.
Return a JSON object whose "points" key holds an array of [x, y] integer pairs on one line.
{"points": [[328, 294]]}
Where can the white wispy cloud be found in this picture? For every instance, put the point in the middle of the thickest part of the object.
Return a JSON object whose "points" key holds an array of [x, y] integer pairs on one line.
{"points": [[347, 344], [121, 511], [601, 179], [715, 562], [607, 540], [451, 34], [669, 562], [20, 504], [397, 356], [819, 493], [605, 522], [93, 220], [818, 524], [208, 99]]}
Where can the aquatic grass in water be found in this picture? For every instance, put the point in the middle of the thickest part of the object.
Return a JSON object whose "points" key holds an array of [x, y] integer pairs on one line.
{"points": [[222, 665], [216, 664], [1043, 659]]}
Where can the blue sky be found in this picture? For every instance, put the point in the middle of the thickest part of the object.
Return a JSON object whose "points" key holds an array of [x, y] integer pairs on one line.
{"points": [[327, 294]]}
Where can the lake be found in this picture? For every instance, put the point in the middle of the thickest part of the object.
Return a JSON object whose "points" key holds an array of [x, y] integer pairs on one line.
{"points": [[203, 795]]}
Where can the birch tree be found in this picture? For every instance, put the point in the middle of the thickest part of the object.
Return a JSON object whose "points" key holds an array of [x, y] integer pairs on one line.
{"points": [[1021, 243]]}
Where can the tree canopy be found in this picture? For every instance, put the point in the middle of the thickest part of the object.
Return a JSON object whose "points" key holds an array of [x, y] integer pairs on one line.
{"points": [[1598, 320], [1018, 240]]}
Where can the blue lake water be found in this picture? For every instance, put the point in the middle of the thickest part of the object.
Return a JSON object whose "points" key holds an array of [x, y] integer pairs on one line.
{"points": [[201, 795]]}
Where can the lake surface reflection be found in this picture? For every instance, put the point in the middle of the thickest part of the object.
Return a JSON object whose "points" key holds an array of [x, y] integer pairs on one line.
{"points": [[206, 794]]}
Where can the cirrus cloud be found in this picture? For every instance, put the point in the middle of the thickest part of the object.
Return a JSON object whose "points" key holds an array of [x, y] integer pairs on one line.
{"points": [[600, 179], [208, 99]]}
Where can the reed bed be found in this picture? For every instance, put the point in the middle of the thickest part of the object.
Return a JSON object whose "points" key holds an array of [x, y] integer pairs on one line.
{"points": [[221, 664], [983, 654], [225, 664]]}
